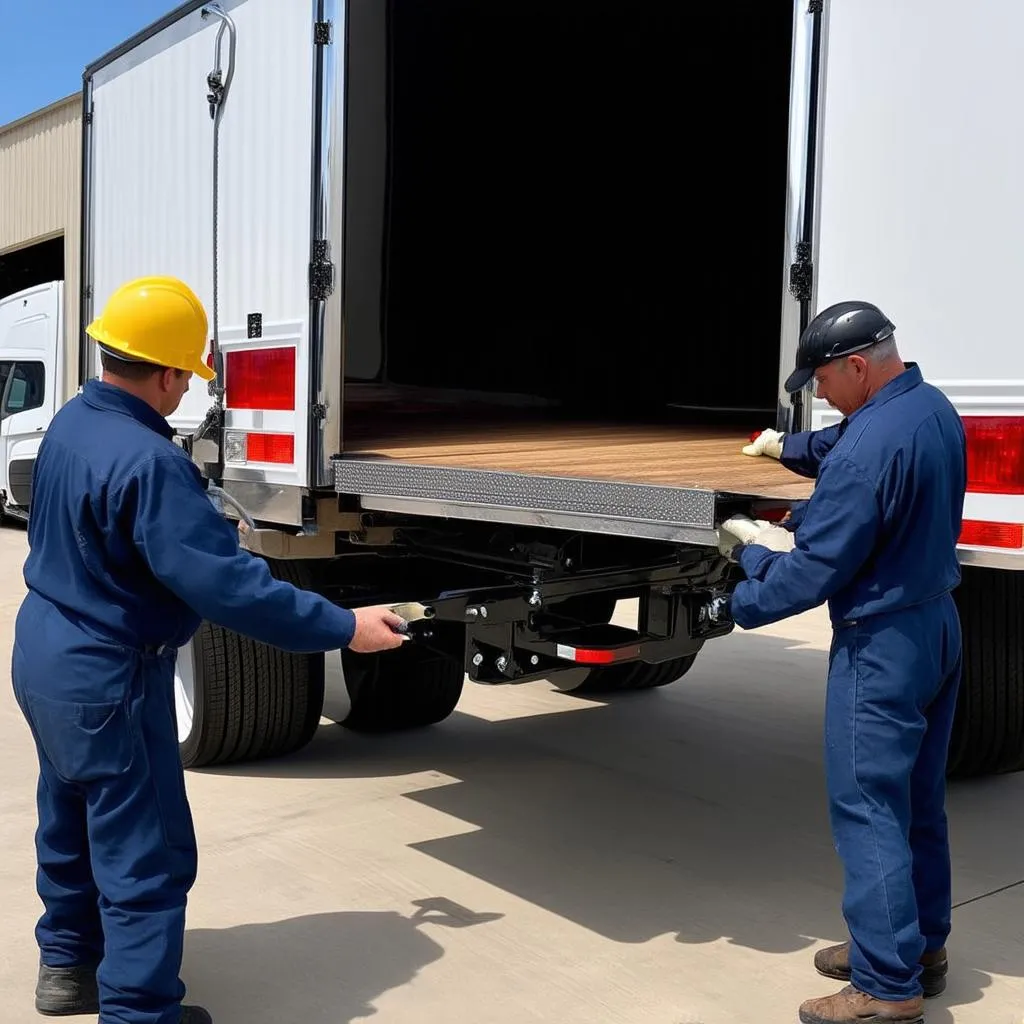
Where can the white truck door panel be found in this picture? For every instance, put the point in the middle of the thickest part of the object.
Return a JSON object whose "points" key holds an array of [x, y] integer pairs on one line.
{"points": [[31, 329], [152, 151], [921, 208]]}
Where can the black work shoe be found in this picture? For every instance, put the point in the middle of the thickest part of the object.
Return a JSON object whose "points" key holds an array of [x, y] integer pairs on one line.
{"points": [[66, 991], [195, 1015], [834, 962]]}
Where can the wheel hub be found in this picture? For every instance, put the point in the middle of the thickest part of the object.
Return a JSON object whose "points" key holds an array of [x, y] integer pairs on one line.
{"points": [[184, 691]]}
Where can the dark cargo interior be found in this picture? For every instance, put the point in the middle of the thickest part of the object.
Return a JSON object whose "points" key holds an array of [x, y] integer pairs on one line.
{"points": [[32, 265], [565, 203]]}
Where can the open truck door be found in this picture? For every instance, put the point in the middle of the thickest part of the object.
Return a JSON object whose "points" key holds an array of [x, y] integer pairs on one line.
{"points": [[199, 158]]}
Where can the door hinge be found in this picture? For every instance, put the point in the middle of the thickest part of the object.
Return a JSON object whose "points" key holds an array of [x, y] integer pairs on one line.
{"points": [[319, 411], [801, 273], [322, 33], [815, 6], [321, 271]]}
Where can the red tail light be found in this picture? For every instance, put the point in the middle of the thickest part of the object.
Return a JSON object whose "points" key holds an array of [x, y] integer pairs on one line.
{"points": [[260, 378], [995, 454], [278, 448], [992, 535]]}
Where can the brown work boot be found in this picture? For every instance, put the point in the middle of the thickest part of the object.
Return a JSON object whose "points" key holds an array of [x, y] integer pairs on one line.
{"points": [[834, 962], [853, 1007], [66, 991]]}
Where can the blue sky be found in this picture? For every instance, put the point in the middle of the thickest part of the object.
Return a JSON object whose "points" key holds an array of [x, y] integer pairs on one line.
{"points": [[45, 45]]}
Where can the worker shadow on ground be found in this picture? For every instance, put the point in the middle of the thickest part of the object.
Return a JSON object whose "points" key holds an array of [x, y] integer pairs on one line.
{"points": [[318, 969], [697, 811]]}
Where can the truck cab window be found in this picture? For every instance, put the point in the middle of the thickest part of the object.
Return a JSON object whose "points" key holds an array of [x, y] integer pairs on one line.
{"points": [[24, 390], [5, 372]]}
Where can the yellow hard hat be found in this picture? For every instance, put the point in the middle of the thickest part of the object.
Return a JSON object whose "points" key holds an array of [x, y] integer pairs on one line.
{"points": [[155, 320]]}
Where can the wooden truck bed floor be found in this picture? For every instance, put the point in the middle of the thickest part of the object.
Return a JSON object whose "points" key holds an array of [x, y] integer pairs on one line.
{"points": [[694, 457]]}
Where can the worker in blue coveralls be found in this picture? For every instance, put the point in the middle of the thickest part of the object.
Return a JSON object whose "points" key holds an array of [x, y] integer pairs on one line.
{"points": [[877, 540], [127, 555]]}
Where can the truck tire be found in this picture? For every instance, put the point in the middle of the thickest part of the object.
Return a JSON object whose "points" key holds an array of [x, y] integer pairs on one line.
{"points": [[988, 733], [408, 688], [238, 700], [636, 675]]}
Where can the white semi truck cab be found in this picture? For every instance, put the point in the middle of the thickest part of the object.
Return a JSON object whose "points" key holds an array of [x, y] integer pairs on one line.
{"points": [[31, 385]]}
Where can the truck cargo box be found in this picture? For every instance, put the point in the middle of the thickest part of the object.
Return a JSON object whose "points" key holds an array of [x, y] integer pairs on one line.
{"points": [[499, 290], [577, 218]]}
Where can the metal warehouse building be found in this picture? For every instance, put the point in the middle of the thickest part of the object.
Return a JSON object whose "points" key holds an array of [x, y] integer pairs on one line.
{"points": [[40, 209]]}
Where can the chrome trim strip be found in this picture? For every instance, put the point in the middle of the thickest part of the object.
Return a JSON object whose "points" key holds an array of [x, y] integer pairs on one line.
{"points": [[326, 222], [683, 507], [990, 558], [85, 285], [802, 191], [547, 520], [333, 357]]}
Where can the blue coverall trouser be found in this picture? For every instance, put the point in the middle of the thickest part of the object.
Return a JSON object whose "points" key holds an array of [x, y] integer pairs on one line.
{"points": [[115, 843], [892, 691]]}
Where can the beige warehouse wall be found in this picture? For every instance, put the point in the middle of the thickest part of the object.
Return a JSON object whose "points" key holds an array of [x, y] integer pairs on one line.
{"points": [[40, 196]]}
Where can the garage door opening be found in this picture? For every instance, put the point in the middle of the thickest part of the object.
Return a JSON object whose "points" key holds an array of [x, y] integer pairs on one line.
{"points": [[31, 265], [578, 203]]}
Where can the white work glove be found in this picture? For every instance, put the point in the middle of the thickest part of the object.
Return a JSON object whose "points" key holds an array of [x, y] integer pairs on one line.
{"points": [[376, 630], [775, 538], [734, 533], [737, 531], [768, 442]]}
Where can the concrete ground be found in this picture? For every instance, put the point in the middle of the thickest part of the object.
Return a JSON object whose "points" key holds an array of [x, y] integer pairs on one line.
{"points": [[663, 859]]}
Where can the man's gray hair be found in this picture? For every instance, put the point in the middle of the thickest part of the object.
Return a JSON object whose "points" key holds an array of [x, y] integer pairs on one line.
{"points": [[882, 352]]}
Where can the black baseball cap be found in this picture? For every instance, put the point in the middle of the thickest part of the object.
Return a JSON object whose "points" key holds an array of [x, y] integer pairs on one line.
{"points": [[838, 331]]}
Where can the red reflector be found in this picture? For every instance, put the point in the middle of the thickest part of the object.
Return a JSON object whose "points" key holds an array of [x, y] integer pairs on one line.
{"points": [[260, 378], [995, 454], [594, 657], [585, 656], [992, 535], [209, 361], [278, 448]]}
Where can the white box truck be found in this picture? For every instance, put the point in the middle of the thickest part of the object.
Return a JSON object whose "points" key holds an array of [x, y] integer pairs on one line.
{"points": [[498, 291]]}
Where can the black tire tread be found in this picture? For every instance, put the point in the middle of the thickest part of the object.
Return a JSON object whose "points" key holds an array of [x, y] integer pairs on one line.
{"points": [[635, 676], [258, 702], [410, 688], [988, 733]]}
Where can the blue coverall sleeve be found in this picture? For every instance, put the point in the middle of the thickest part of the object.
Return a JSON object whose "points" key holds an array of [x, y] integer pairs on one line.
{"points": [[195, 553], [837, 534], [796, 516], [802, 452]]}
